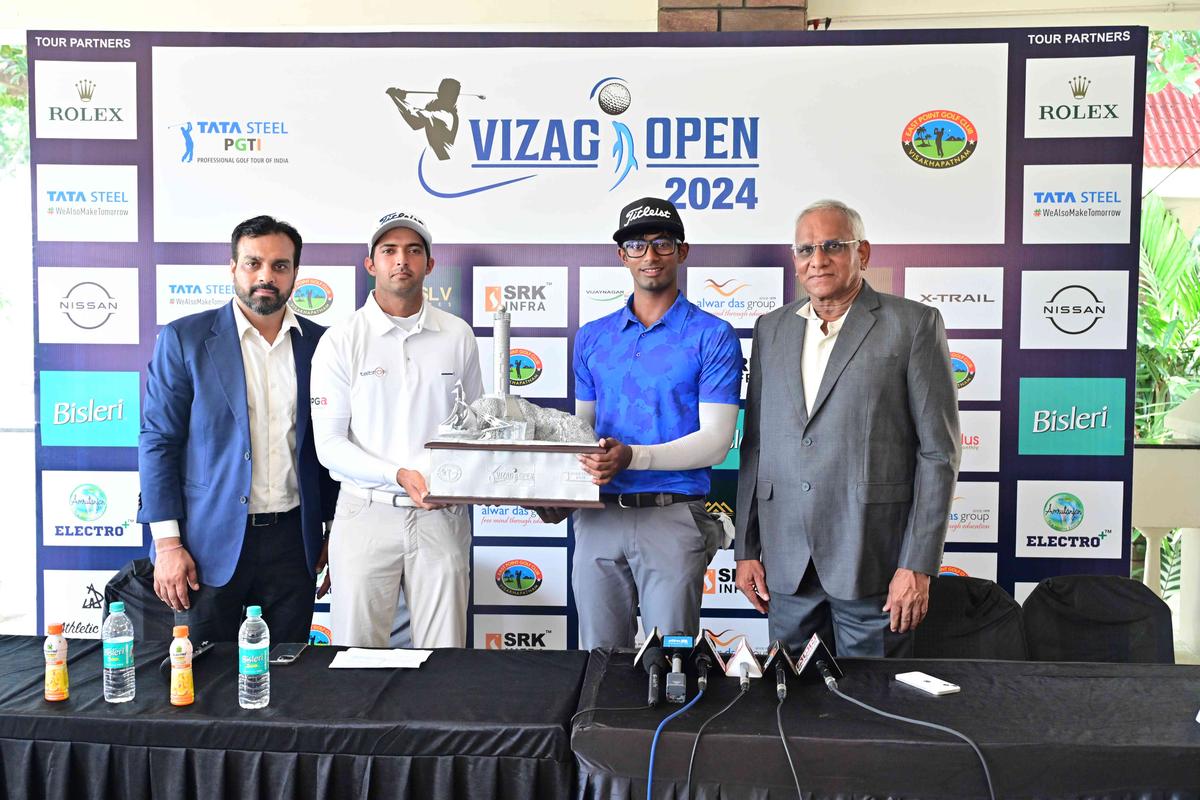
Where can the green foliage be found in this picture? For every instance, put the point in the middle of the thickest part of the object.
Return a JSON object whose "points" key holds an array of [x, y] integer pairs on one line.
{"points": [[14, 100], [1168, 332], [1169, 61]]}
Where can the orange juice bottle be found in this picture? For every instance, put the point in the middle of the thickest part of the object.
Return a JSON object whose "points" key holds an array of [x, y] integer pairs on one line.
{"points": [[57, 683], [183, 691]]}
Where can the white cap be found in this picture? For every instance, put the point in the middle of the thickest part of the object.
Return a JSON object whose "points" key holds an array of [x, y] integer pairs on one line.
{"points": [[400, 219]]}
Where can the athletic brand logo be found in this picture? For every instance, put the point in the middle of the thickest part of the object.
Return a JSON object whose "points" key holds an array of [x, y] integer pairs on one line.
{"points": [[939, 139], [518, 577]]}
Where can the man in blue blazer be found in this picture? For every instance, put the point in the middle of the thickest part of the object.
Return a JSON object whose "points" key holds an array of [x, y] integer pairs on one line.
{"points": [[230, 482]]}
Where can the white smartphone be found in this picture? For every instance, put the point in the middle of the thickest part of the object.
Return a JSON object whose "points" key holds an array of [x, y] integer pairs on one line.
{"points": [[927, 683]]}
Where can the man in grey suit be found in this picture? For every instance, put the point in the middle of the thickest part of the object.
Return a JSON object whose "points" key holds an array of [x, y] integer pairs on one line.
{"points": [[850, 452]]}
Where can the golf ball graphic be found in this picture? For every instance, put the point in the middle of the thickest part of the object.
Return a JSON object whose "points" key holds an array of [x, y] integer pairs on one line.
{"points": [[614, 98]]}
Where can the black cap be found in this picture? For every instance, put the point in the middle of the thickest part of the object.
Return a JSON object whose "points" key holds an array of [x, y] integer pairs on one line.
{"points": [[648, 214]]}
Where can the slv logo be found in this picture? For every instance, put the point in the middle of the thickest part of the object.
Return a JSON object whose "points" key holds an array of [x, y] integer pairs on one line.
{"points": [[1071, 519], [89, 409], [86, 100], [1074, 309], [1072, 416], [1079, 97], [1077, 204]]}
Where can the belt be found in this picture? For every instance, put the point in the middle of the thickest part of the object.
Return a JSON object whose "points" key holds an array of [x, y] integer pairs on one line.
{"points": [[398, 500], [649, 499], [269, 518]]}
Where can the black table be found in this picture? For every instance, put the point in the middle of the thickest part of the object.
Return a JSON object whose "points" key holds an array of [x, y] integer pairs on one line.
{"points": [[1047, 730], [469, 724]]}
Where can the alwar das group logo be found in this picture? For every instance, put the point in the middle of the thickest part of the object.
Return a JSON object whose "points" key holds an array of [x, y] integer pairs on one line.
{"points": [[939, 139], [518, 577]]}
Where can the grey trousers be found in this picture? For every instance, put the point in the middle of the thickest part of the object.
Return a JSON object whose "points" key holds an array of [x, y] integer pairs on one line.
{"points": [[852, 628], [649, 557]]}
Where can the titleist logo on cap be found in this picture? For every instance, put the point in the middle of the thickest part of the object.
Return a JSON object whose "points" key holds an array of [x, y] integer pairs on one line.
{"points": [[645, 211], [400, 215]]}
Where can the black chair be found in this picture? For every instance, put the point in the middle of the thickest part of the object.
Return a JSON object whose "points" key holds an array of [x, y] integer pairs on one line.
{"points": [[970, 618], [134, 586], [1097, 618]]}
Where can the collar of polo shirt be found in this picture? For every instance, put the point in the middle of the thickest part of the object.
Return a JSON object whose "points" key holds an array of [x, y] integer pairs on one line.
{"points": [[381, 324], [675, 318]]}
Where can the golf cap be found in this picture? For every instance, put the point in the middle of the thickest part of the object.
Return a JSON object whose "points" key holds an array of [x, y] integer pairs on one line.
{"points": [[648, 214], [400, 219]]}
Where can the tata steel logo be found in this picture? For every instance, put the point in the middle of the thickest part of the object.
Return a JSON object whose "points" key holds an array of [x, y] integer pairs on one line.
{"points": [[231, 141], [939, 139], [524, 367], [963, 368], [518, 577], [510, 640], [88, 502], [311, 297], [88, 305], [1063, 512], [727, 289]]}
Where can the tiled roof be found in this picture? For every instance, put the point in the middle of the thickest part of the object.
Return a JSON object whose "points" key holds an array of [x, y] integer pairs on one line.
{"points": [[1172, 129]]}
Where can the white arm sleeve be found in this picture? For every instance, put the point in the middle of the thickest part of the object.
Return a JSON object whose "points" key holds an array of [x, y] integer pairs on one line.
{"points": [[703, 448]]}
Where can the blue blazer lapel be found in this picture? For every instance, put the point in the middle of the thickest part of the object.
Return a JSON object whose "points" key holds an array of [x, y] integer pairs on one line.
{"points": [[226, 353], [859, 321]]}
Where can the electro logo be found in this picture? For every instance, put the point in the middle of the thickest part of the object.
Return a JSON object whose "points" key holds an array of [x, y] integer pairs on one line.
{"points": [[1063, 512], [524, 367], [963, 368], [311, 297], [518, 577], [88, 502], [939, 139], [88, 305]]}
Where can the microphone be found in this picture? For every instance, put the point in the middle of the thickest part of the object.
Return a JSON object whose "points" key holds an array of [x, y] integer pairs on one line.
{"points": [[654, 663], [780, 680], [703, 664], [676, 681], [744, 680], [827, 674]]}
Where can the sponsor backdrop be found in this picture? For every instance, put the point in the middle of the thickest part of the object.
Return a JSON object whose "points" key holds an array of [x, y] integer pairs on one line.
{"points": [[998, 175]]}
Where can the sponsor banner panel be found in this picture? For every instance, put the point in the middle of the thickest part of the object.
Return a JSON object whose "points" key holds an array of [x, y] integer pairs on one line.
{"points": [[90, 509], [86, 100], [969, 565], [89, 409], [969, 298], [182, 289], [1074, 310], [980, 441], [513, 521], [974, 513], [444, 289], [520, 632], [1077, 204], [520, 576], [75, 597], [976, 367], [537, 366], [602, 290], [737, 295], [325, 294], [536, 297], [1078, 98], [87, 305], [87, 203], [719, 588], [321, 632], [1072, 416], [1069, 519]]}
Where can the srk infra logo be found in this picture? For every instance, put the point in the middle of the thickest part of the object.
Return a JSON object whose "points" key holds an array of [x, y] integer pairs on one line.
{"points": [[939, 139]]}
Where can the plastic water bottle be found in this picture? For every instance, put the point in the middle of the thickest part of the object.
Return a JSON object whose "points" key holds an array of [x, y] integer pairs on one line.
{"points": [[118, 655], [55, 649], [183, 689], [254, 676]]}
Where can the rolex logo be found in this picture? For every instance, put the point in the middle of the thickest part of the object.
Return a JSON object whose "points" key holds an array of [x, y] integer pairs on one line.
{"points": [[86, 89], [1079, 86]]}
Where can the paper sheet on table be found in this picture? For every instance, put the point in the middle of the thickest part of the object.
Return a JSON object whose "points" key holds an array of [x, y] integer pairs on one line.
{"points": [[362, 658]]}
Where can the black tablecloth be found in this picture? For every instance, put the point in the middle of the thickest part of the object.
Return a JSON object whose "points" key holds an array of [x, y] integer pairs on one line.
{"points": [[469, 723], [1048, 730]]}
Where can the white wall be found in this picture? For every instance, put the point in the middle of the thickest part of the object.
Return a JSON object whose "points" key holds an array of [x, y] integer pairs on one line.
{"points": [[852, 14]]}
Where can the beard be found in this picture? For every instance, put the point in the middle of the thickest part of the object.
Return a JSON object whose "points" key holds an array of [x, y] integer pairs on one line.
{"points": [[261, 305]]}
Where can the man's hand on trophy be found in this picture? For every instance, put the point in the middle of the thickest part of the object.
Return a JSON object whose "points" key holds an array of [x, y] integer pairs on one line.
{"points": [[413, 483], [603, 467]]}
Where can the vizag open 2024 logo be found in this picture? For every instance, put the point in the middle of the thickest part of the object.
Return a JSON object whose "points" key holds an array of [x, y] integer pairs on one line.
{"points": [[536, 145]]}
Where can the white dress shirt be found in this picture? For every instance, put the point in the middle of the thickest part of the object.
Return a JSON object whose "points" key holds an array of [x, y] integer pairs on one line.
{"points": [[815, 355], [271, 402], [379, 391]]}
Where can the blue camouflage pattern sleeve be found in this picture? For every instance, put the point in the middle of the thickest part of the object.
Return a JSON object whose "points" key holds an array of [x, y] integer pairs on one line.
{"points": [[721, 366]]}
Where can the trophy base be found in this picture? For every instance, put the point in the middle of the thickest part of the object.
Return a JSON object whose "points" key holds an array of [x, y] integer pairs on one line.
{"points": [[511, 473]]}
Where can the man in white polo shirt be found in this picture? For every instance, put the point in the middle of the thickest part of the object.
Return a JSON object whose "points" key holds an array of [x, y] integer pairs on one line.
{"points": [[381, 382]]}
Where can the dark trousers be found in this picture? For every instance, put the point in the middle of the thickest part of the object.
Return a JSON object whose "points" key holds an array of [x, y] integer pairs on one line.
{"points": [[272, 572], [851, 628]]}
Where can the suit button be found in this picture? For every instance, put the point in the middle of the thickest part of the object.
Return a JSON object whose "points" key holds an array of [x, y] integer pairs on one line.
{"points": [[246, 455], [243, 499], [807, 441], [806, 486]]}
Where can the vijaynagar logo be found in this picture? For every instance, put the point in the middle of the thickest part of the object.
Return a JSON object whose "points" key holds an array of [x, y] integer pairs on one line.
{"points": [[963, 368], [939, 139]]}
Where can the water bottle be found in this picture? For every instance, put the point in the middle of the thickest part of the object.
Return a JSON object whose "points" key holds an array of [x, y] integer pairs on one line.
{"points": [[117, 634], [254, 677], [55, 650], [183, 689]]}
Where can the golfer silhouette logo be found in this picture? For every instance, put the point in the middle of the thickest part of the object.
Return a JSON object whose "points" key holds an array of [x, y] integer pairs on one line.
{"points": [[188, 145], [439, 117]]}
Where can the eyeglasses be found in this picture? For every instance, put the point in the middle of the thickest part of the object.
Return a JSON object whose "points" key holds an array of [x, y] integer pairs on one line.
{"points": [[832, 248], [636, 248]]}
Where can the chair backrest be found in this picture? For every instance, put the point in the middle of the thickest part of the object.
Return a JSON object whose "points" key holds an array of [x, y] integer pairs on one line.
{"points": [[970, 618], [1097, 618], [134, 586]]}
